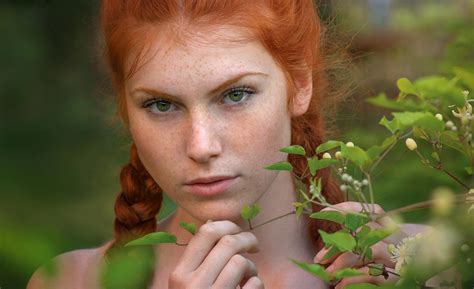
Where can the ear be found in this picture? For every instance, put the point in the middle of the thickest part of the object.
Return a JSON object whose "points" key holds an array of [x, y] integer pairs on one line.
{"points": [[303, 94]]}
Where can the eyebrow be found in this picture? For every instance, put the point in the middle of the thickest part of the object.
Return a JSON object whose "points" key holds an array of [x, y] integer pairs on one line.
{"points": [[213, 91]]}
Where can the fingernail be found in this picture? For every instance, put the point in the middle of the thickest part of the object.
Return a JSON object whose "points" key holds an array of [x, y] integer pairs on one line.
{"points": [[330, 269], [208, 221], [319, 256]]}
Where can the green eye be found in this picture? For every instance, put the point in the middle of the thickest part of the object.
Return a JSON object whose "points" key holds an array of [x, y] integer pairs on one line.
{"points": [[162, 105], [236, 96]]}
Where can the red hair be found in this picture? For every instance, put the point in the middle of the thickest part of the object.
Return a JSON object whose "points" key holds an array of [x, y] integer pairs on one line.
{"points": [[289, 30]]}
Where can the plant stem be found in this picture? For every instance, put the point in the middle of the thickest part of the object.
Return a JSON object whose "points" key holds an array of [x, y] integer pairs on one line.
{"points": [[367, 175], [460, 199], [454, 178], [274, 219]]}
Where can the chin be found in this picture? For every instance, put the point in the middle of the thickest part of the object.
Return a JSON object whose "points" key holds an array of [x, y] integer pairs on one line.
{"points": [[218, 211]]}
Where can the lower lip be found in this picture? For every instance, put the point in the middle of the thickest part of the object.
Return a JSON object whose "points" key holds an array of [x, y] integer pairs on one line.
{"points": [[211, 189]]}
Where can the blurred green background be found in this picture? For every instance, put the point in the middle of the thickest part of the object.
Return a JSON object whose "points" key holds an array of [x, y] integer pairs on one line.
{"points": [[62, 146]]}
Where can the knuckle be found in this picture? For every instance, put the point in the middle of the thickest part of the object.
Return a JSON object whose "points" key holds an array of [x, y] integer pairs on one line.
{"points": [[238, 261], [229, 241], [176, 278], [209, 230]]}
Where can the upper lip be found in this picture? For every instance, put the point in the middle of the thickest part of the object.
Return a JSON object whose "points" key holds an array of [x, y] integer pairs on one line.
{"points": [[207, 180]]}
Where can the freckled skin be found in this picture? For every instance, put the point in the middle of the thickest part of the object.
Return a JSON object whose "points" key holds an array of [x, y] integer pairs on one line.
{"points": [[203, 137]]}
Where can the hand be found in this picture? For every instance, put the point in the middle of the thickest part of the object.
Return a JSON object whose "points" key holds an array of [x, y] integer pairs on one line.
{"points": [[348, 259], [212, 259]]}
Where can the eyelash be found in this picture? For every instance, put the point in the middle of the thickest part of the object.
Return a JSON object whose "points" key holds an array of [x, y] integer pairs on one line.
{"points": [[250, 92]]}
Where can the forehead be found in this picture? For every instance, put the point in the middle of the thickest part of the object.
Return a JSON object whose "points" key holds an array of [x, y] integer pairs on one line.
{"points": [[198, 54]]}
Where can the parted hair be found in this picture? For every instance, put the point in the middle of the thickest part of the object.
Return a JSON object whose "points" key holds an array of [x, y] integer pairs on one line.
{"points": [[291, 32]]}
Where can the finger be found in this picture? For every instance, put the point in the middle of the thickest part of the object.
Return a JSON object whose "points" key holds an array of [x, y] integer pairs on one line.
{"points": [[227, 248], [254, 283], [379, 255], [319, 258], [237, 270], [200, 245], [355, 207], [366, 278]]}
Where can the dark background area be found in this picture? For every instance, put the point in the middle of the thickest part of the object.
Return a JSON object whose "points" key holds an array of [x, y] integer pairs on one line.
{"points": [[62, 146]]}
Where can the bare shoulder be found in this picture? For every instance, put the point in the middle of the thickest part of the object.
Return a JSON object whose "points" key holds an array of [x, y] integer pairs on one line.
{"points": [[74, 269]]}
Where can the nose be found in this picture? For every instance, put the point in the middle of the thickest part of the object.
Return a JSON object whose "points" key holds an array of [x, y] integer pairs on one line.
{"points": [[203, 143]]}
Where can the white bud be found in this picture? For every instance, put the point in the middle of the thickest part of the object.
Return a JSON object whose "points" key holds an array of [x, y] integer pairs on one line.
{"points": [[343, 188], [338, 155], [464, 248], [345, 177], [439, 116], [349, 179], [465, 93], [350, 144], [326, 156], [365, 182], [411, 144], [339, 170], [449, 124], [454, 128], [356, 184]]}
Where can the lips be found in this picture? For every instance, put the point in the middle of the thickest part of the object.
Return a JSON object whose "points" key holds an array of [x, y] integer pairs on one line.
{"points": [[210, 186]]}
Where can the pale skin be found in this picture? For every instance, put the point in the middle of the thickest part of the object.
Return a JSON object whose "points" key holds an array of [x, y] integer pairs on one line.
{"points": [[195, 130]]}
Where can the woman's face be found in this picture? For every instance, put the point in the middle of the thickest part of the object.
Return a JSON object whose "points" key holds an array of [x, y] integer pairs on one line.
{"points": [[206, 111]]}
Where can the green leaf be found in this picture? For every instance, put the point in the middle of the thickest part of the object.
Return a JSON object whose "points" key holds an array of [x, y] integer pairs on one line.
{"points": [[315, 269], [392, 125], [153, 238], [330, 144], [376, 269], [249, 212], [280, 166], [420, 133], [347, 272], [190, 227], [469, 170], [362, 232], [407, 119], [356, 155], [354, 220], [316, 164], [294, 149], [333, 216], [375, 236], [362, 286], [430, 124], [298, 211], [441, 89], [466, 77], [381, 100], [342, 240], [451, 139], [406, 86], [375, 151], [313, 165], [333, 251]]}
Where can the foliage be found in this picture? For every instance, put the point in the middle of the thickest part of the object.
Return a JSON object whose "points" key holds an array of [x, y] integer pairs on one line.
{"points": [[434, 110]]}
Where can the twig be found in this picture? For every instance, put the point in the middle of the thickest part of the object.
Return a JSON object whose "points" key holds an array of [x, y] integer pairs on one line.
{"points": [[274, 219]]}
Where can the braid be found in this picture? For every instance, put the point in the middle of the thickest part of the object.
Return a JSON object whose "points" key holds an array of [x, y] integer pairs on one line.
{"points": [[307, 131], [138, 203], [136, 208]]}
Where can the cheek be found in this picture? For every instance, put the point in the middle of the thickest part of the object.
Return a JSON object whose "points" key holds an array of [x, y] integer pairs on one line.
{"points": [[263, 133], [157, 151]]}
